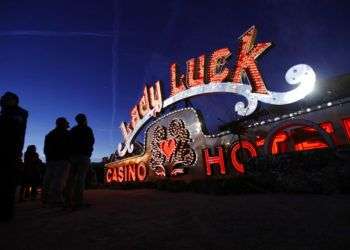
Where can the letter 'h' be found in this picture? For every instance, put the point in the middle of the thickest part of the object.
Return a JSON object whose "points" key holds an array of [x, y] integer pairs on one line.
{"points": [[211, 160]]}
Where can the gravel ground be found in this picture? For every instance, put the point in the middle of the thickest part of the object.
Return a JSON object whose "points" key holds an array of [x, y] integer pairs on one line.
{"points": [[150, 219]]}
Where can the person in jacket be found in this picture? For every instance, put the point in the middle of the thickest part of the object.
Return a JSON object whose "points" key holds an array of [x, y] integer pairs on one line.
{"points": [[31, 174], [82, 141], [57, 153], [13, 122]]}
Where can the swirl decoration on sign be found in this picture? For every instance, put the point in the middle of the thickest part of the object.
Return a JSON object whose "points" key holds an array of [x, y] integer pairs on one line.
{"points": [[302, 75]]}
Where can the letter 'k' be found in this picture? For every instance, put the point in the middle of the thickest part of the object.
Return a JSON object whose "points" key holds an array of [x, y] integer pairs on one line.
{"points": [[247, 53]]}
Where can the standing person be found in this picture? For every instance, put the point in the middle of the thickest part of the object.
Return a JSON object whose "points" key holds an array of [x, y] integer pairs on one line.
{"points": [[31, 174], [82, 141], [57, 152], [13, 122]]}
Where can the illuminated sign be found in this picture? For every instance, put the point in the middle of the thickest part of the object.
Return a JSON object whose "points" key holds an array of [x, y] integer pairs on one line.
{"points": [[175, 145], [211, 74], [127, 173]]}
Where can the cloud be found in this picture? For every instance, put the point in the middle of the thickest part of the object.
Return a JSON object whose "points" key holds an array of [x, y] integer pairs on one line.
{"points": [[54, 33]]}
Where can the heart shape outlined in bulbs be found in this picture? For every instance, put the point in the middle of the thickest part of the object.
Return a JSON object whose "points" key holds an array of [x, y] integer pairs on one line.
{"points": [[168, 147]]}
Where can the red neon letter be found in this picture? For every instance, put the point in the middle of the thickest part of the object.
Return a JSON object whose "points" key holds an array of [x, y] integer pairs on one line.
{"points": [[126, 168], [195, 71], [141, 171], [144, 103], [234, 159], [120, 174], [217, 70], [135, 117], [247, 53], [176, 82], [328, 127], [346, 124], [115, 177], [131, 172], [210, 160], [278, 138], [259, 141], [155, 96], [312, 143], [109, 175]]}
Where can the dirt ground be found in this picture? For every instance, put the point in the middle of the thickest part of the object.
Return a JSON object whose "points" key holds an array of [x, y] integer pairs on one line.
{"points": [[150, 219]]}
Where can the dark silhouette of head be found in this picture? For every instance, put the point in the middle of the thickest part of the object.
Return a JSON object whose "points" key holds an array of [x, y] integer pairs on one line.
{"points": [[62, 123], [81, 119], [8, 100], [31, 148]]}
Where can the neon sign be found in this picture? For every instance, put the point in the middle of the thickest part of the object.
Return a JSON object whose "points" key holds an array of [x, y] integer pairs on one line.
{"points": [[211, 74], [175, 143], [218, 160], [127, 173]]}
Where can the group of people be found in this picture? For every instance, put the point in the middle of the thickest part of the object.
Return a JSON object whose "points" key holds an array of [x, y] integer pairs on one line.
{"points": [[67, 155]]}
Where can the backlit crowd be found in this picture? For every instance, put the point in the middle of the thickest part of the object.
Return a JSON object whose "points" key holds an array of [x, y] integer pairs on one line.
{"points": [[61, 179]]}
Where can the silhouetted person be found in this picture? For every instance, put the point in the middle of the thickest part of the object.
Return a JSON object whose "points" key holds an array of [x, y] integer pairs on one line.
{"points": [[31, 174], [82, 141], [13, 121], [56, 150]]}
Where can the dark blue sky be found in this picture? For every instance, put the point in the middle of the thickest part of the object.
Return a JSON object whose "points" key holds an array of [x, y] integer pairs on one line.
{"points": [[58, 55]]}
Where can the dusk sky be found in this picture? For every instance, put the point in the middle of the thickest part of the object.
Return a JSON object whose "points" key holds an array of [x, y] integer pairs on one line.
{"points": [[67, 57]]}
